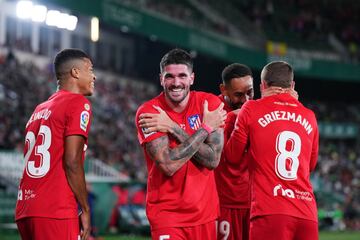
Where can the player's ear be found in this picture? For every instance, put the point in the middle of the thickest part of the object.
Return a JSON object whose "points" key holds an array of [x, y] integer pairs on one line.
{"points": [[74, 72], [262, 85], [192, 77], [293, 84], [161, 79], [222, 89]]}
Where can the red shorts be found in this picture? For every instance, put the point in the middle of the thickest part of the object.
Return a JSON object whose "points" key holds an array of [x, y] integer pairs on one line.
{"points": [[205, 231], [275, 227], [37, 228], [233, 224]]}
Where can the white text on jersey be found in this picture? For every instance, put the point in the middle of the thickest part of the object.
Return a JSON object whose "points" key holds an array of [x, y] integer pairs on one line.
{"points": [[288, 116], [43, 114]]}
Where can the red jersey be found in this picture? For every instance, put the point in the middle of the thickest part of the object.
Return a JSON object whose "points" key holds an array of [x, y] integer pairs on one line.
{"points": [[227, 108], [232, 181], [189, 197], [281, 136], [44, 190]]}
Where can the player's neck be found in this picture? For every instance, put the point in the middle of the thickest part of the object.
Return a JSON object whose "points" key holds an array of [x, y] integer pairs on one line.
{"points": [[178, 106], [67, 86], [227, 101]]}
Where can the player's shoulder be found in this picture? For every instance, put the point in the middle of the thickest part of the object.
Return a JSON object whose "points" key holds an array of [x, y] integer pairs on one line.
{"points": [[308, 111], [252, 103], [148, 105], [200, 96], [78, 97], [205, 95], [305, 111], [80, 102], [73, 98]]}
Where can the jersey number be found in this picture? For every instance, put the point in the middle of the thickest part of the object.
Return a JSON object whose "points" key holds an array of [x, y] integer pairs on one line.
{"points": [[287, 160], [224, 229], [40, 150]]}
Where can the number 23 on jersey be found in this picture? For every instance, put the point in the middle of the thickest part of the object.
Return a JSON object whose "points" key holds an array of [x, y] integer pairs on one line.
{"points": [[41, 150]]}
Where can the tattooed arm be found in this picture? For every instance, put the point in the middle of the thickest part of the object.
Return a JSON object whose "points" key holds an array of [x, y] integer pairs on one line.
{"points": [[169, 160], [209, 152]]}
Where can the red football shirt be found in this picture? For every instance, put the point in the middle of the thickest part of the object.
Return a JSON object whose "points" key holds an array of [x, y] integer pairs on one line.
{"points": [[232, 180], [44, 190], [189, 197], [281, 136]]}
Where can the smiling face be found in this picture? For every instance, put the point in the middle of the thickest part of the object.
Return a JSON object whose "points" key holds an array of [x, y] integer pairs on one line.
{"points": [[176, 80], [238, 91], [86, 77]]}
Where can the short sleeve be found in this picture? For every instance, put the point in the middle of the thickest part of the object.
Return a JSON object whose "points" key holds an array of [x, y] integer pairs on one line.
{"points": [[237, 143], [229, 124], [241, 129], [213, 101], [142, 136], [79, 116]]}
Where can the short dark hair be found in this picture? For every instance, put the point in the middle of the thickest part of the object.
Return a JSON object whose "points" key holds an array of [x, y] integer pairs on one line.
{"points": [[176, 56], [64, 57], [235, 70], [278, 73]]}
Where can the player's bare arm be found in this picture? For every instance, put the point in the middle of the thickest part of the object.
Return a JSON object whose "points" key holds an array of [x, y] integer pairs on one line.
{"points": [[74, 170], [169, 160], [209, 152]]}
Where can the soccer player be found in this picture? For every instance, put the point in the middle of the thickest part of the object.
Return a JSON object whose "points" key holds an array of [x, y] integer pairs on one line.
{"points": [[281, 137], [182, 201], [53, 182], [237, 86], [233, 181]]}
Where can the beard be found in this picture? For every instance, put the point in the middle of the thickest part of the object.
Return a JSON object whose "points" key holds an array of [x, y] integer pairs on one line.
{"points": [[176, 97], [235, 106]]}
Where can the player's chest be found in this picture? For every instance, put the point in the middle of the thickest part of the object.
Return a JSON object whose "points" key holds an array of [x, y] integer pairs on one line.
{"points": [[189, 121]]}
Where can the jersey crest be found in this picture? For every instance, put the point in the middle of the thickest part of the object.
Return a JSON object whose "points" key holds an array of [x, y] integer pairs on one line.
{"points": [[84, 120], [194, 121]]}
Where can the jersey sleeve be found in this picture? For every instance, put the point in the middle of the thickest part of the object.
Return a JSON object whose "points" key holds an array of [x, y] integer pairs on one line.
{"points": [[142, 136], [237, 143], [213, 101], [229, 125], [78, 118]]}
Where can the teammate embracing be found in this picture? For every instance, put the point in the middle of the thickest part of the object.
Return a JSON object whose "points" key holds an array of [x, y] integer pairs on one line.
{"points": [[281, 137]]}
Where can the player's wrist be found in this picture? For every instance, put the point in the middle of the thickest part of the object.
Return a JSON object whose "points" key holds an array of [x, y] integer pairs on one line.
{"points": [[207, 128]]}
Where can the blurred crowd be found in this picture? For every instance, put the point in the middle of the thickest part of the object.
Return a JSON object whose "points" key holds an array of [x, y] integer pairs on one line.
{"points": [[307, 21], [113, 137], [182, 12], [336, 182], [302, 23]]}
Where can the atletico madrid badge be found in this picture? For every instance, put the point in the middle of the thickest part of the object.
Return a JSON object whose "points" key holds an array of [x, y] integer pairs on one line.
{"points": [[194, 121]]}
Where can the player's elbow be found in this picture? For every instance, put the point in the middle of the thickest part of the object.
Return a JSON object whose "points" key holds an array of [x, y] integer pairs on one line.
{"points": [[167, 171], [71, 166], [213, 164]]}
